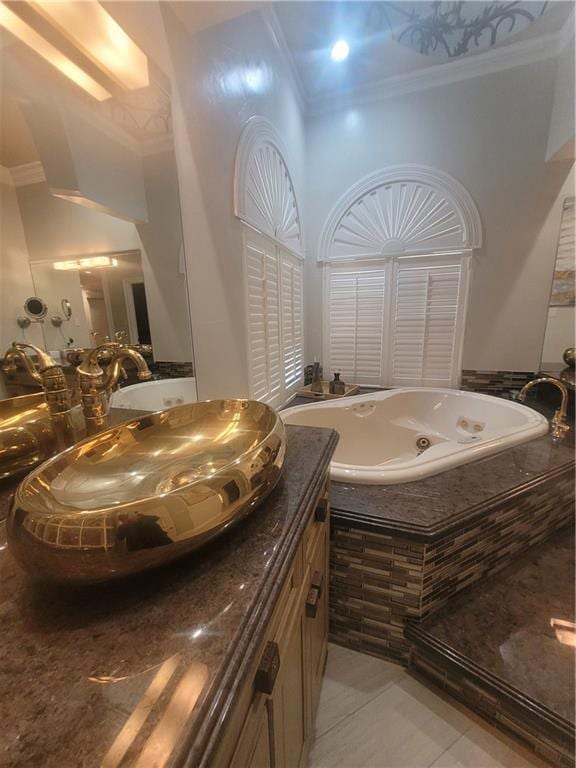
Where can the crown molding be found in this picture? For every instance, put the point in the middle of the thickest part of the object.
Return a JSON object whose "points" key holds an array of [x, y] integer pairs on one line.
{"points": [[273, 23], [465, 68], [28, 173]]}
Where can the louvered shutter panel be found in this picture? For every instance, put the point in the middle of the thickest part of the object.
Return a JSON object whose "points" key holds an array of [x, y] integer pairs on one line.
{"points": [[263, 306], [356, 309], [427, 309], [292, 320]]}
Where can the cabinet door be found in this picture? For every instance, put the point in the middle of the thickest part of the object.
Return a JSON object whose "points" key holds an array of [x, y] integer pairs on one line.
{"points": [[288, 706], [254, 748], [316, 622]]}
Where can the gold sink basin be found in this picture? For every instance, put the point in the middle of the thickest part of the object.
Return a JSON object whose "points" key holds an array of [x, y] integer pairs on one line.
{"points": [[25, 433], [147, 491]]}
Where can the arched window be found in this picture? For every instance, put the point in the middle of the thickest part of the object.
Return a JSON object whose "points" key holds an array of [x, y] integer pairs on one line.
{"points": [[265, 202], [396, 249]]}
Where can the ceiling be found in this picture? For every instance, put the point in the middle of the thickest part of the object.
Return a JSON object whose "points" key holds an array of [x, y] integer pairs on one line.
{"points": [[392, 39]]}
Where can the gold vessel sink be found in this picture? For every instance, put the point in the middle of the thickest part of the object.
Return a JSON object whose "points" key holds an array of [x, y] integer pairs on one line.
{"points": [[147, 491], [26, 436]]}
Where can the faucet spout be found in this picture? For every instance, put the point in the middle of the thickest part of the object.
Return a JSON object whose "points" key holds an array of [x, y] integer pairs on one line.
{"points": [[115, 368], [96, 385], [560, 426]]}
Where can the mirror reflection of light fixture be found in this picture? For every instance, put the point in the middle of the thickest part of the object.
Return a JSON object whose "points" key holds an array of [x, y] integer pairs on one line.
{"points": [[26, 34], [82, 41], [86, 263]]}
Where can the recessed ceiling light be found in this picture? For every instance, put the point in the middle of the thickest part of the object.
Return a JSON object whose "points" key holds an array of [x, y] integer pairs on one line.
{"points": [[340, 50]]}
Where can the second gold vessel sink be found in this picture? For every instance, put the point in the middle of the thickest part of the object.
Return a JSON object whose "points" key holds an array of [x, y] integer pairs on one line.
{"points": [[25, 433], [147, 491]]}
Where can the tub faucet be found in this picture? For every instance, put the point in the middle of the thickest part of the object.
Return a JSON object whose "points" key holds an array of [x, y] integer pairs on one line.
{"points": [[56, 391], [96, 385], [560, 427]]}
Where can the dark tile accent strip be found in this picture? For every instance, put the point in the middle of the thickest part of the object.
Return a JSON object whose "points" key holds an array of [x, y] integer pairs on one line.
{"points": [[544, 731], [167, 369], [495, 382]]}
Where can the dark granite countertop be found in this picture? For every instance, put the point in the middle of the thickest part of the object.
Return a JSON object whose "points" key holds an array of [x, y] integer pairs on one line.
{"points": [[503, 625], [144, 671]]}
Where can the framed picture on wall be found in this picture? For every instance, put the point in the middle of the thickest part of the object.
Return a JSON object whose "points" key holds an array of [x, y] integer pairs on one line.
{"points": [[563, 283]]}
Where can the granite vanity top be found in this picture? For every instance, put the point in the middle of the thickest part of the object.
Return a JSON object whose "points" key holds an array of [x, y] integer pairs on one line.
{"points": [[504, 625], [430, 507], [143, 672]]}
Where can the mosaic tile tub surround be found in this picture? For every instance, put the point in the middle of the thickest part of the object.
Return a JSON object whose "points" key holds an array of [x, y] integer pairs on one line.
{"points": [[380, 578]]}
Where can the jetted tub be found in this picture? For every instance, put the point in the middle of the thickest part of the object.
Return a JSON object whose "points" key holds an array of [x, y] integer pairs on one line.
{"points": [[399, 435], [156, 395]]}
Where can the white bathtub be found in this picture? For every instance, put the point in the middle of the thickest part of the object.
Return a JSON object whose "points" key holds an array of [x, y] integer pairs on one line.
{"points": [[379, 432], [156, 395]]}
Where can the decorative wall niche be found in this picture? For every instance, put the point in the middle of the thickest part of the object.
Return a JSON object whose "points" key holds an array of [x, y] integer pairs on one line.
{"points": [[264, 196], [404, 209]]}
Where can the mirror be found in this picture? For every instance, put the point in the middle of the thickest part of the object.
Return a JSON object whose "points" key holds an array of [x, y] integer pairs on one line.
{"points": [[560, 326], [107, 300], [90, 191], [35, 308]]}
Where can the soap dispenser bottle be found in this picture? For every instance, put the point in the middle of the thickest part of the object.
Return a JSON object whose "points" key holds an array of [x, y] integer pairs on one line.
{"points": [[337, 387]]}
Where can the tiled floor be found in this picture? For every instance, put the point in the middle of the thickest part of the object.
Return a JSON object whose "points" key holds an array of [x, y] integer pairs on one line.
{"points": [[372, 714]]}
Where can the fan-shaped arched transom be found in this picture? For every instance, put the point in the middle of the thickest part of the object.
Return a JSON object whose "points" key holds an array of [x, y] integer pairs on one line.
{"points": [[264, 195], [401, 210]]}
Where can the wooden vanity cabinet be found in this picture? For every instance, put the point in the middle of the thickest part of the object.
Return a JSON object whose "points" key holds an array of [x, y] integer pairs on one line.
{"points": [[272, 722]]}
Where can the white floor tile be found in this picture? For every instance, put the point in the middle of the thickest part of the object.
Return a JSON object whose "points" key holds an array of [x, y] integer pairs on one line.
{"points": [[351, 680], [485, 747], [406, 726]]}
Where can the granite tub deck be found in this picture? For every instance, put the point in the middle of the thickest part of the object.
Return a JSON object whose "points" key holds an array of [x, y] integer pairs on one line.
{"points": [[401, 552], [86, 665], [494, 649]]}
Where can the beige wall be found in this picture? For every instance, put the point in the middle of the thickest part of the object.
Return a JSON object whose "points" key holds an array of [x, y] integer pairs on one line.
{"points": [[15, 277], [491, 134], [561, 131], [560, 325], [218, 93]]}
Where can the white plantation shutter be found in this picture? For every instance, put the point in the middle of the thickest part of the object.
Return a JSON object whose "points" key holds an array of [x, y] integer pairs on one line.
{"points": [[426, 323], [292, 319], [396, 322], [263, 308], [356, 306], [275, 319]]}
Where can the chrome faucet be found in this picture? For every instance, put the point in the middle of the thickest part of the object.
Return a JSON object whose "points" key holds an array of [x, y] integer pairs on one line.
{"points": [[560, 427], [56, 391], [96, 385]]}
